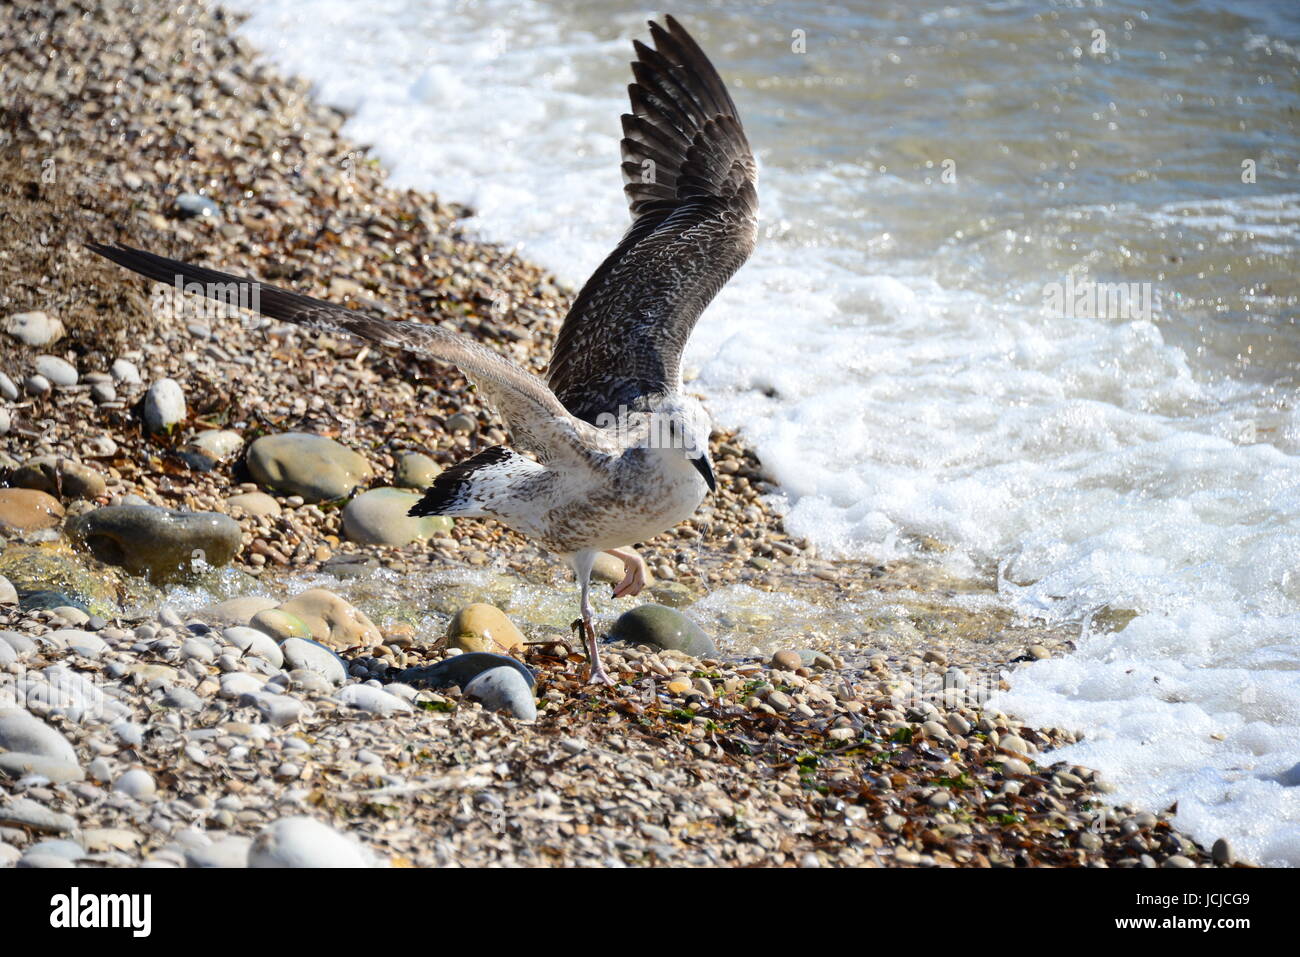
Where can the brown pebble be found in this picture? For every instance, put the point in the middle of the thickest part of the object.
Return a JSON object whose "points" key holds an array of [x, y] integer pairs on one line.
{"points": [[786, 660]]}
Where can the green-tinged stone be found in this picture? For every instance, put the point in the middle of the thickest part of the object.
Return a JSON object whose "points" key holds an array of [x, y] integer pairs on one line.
{"points": [[663, 628], [313, 466], [481, 627], [415, 470], [280, 625], [672, 594], [163, 544]]}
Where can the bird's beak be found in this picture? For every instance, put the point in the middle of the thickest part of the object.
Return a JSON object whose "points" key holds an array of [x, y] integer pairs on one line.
{"points": [[705, 468]]}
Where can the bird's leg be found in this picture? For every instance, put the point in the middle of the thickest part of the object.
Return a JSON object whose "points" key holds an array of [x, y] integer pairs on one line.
{"points": [[634, 569], [596, 673]]}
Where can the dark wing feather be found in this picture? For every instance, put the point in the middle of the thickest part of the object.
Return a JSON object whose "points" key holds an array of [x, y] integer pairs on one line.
{"points": [[537, 420], [691, 182]]}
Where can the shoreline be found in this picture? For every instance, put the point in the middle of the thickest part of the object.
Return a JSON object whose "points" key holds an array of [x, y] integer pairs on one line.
{"points": [[813, 763]]}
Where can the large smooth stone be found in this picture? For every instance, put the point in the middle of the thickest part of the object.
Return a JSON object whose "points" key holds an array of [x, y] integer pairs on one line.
{"points": [[236, 684], [299, 653], [279, 710], [34, 328], [19, 764], [416, 470], [480, 627], [462, 669], [333, 622], [236, 611], [8, 594], [58, 370], [164, 406], [53, 475], [379, 517], [503, 689], [672, 594], [26, 813], [280, 625], [158, 542], [20, 730], [313, 466], [22, 644], [252, 641], [662, 628], [304, 842], [27, 510]]}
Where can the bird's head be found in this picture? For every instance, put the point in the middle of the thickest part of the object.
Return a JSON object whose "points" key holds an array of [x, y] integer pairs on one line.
{"points": [[678, 429]]}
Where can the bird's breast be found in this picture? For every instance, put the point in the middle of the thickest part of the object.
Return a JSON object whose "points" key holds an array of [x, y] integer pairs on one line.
{"points": [[629, 504]]}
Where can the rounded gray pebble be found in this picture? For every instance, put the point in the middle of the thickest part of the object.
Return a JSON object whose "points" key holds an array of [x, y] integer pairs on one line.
{"points": [[503, 689]]}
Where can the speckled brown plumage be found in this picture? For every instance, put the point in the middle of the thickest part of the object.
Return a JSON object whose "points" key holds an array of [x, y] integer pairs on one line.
{"points": [[694, 222]]}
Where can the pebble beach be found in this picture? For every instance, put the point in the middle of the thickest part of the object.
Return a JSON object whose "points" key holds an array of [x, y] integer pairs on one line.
{"points": [[224, 644]]}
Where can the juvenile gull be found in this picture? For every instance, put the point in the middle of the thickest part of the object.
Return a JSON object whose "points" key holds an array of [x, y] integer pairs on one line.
{"points": [[616, 453]]}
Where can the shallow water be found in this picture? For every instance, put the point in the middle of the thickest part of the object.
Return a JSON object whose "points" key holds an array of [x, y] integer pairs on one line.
{"points": [[891, 348], [743, 621]]}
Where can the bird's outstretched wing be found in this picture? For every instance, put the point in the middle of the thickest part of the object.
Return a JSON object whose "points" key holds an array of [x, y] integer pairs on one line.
{"points": [[538, 422], [691, 183]]}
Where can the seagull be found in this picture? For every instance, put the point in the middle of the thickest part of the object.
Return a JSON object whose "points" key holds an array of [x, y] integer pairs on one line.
{"points": [[606, 451]]}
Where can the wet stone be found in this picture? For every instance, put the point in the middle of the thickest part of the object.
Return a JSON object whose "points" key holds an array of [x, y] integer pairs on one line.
{"points": [[332, 620], [483, 628], [664, 628], [27, 510], [163, 544]]}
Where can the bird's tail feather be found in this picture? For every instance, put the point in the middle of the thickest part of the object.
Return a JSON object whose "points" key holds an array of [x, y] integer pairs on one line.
{"points": [[289, 306], [473, 486]]}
